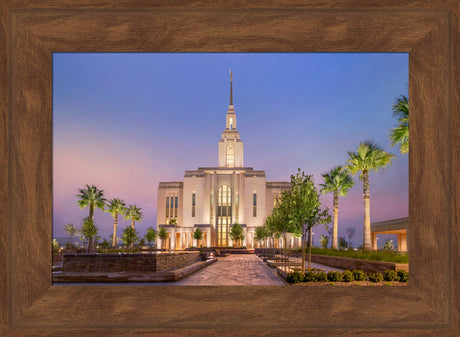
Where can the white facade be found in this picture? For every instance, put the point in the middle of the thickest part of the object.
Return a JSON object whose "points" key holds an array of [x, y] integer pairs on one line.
{"points": [[214, 198]]}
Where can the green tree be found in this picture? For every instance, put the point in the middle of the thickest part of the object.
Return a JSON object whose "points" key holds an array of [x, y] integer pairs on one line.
{"points": [[260, 234], [91, 197], [141, 242], [151, 236], [173, 222], [388, 245], [104, 244], [337, 181], [343, 243], [305, 209], [198, 236], [134, 213], [115, 207], [281, 221], [368, 157], [130, 236], [163, 235], [237, 234], [89, 231], [324, 241], [400, 133], [71, 230]]}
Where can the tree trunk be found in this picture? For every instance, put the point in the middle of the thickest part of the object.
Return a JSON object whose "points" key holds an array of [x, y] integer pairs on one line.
{"points": [[310, 244], [91, 216], [285, 252], [115, 227], [336, 220], [132, 223], [90, 244], [304, 234], [367, 218]]}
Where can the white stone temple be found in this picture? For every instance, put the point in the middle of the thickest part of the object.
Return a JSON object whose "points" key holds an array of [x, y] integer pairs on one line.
{"points": [[213, 198]]}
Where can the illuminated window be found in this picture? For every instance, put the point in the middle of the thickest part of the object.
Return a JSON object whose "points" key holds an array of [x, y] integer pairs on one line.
{"points": [[254, 205], [167, 207], [193, 204], [171, 207], [224, 214], [231, 123], [175, 212], [237, 206], [230, 156]]}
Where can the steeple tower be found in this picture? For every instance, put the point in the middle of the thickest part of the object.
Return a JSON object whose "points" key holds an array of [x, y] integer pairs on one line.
{"points": [[230, 146], [231, 87], [231, 116]]}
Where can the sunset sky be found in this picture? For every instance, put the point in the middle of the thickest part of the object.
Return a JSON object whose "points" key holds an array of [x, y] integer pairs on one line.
{"points": [[125, 122]]}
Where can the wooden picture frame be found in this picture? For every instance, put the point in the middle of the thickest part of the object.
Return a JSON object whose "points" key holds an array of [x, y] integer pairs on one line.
{"points": [[30, 32]]}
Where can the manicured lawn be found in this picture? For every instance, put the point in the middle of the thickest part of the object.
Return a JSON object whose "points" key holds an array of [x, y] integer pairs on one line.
{"points": [[372, 255]]}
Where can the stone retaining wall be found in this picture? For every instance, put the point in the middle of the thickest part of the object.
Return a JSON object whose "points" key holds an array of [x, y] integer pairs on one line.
{"points": [[168, 261], [368, 266], [113, 263]]}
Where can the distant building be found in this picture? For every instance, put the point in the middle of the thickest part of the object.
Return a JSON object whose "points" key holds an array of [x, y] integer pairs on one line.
{"points": [[216, 197], [395, 226]]}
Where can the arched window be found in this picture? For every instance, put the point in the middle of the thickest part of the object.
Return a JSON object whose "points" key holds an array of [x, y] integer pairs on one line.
{"points": [[230, 156], [231, 123]]}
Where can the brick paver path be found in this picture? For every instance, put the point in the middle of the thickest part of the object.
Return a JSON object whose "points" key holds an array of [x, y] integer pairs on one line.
{"points": [[234, 270]]}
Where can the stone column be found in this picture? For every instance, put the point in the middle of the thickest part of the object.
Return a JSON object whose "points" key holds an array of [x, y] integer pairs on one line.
{"points": [[172, 235], [374, 241], [402, 242]]}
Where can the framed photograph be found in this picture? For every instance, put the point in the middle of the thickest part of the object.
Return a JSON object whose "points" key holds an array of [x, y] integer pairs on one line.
{"points": [[31, 33]]}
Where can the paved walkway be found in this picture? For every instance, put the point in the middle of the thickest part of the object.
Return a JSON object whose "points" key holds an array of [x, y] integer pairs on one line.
{"points": [[234, 270]]}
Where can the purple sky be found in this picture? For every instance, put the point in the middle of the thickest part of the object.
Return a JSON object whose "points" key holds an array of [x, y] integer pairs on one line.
{"points": [[125, 122]]}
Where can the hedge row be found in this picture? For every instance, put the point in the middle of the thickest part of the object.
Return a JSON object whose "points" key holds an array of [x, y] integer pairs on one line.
{"points": [[347, 276]]}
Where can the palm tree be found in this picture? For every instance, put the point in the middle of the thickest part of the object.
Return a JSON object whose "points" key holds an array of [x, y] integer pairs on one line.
{"points": [[134, 213], [369, 156], [400, 134], [337, 181], [115, 207], [91, 196]]}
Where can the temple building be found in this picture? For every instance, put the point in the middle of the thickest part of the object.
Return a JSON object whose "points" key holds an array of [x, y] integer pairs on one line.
{"points": [[213, 198]]}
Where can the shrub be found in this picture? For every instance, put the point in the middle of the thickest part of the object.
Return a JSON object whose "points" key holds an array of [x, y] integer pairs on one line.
{"points": [[347, 276], [390, 275], [377, 277], [359, 275], [321, 276], [403, 276], [334, 276], [310, 276], [294, 277]]}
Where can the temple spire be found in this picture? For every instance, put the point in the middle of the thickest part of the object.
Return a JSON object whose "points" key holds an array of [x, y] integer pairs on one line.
{"points": [[231, 86]]}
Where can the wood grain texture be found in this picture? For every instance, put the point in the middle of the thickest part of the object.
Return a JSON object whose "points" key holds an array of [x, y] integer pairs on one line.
{"points": [[30, 33]]}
